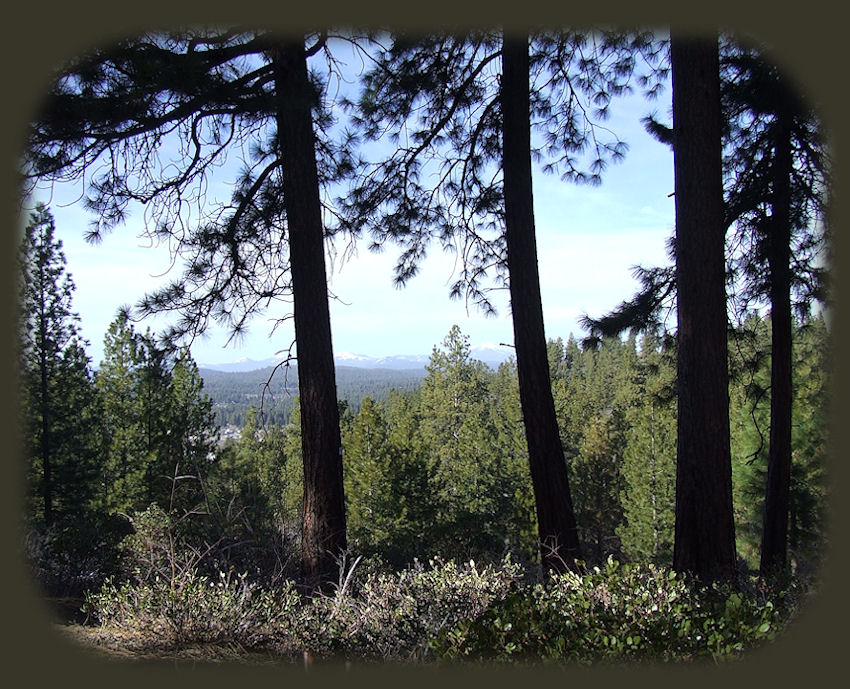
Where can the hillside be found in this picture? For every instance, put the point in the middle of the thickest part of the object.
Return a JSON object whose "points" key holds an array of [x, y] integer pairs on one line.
{"points": [[235, 392]]}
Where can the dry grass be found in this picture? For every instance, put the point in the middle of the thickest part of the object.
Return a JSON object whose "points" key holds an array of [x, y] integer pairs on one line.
{"points": [[129, 646]]}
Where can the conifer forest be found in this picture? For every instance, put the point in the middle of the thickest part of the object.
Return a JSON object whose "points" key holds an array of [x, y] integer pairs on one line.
{"points": [[653, 489]]}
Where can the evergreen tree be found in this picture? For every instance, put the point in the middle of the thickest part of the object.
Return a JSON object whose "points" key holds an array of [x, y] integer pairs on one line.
{"points": [[126, 477], [162, 458], [649, 458], [777, 180], [191, 432], [457, 433], [159, 430], [219, 91], [467, 123], [255, 502], [809, 494], [704, 529], [514, 492], [410, 478], [592, 396], [555, 515], [750, 414], [778, 172], [58, 405], [371, 510]]}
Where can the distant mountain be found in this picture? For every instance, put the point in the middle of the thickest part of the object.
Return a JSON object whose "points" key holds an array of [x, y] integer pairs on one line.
{"points": [[398, 362], [241, 365], [491, 354], [234, 392]]}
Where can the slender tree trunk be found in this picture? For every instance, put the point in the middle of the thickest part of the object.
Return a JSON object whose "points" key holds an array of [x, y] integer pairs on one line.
{"points": [[46, 411], [556, 525], [774, 544], [324, 536], [46, 459], [704, 529]]}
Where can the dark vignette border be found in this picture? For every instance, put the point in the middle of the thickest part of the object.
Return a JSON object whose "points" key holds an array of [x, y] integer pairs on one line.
{"points": [[808, 37]]}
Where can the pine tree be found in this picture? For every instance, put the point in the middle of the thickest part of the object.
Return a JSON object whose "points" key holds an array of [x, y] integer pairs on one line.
{"points": [[159, 429], [58, 405], [777, 181], [255, 502], [371, 509], [750, 414], [455, 428], [410, 477], [592, 396], [191, 434], [813, 356], [125, 481], [778, 170], [467, 123], [555, 514], [219, 92], [649, 458], [514, 494], [152, 381], [704, 530]]}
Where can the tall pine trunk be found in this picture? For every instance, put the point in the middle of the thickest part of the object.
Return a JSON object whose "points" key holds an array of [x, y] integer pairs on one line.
{"points": [[559, 545], [774, 544], [704, 529], [324, 536]]}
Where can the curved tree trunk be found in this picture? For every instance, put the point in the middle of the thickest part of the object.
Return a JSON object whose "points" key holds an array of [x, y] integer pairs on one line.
{"points": [[555, 518], [704, 529], [324, 536]]}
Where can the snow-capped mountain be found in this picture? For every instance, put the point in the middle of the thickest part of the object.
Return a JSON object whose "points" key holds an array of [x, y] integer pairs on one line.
{"points": [[491, 354], [398, 361]]}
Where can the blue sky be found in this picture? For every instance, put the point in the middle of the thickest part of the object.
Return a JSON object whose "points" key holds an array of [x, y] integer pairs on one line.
{"points": [[588, 240]]}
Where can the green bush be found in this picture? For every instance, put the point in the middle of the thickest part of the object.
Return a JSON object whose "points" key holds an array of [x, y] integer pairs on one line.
{"points": [[197, 609], [619, 613], [461, 612], [69, 559], [394, 616]]}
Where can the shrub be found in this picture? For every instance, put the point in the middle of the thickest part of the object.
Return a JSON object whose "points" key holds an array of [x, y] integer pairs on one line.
{"points": [[68, 560], [619, 613], [394, 616], [450, 611], [197, 610]]}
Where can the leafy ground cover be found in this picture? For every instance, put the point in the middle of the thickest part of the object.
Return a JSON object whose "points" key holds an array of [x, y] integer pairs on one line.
{"points": [[443, 613]]}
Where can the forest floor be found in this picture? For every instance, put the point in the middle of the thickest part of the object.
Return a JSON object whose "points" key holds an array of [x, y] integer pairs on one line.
{"points": [[115, 645], [126, 646]]}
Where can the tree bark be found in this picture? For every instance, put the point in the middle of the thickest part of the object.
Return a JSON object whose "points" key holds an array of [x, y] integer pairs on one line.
{"points": [[774, 544], [559, 545], [324, 531], [704, 528]]}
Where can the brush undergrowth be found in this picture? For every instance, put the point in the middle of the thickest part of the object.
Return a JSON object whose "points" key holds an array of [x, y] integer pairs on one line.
{"points": [[449, 612]]}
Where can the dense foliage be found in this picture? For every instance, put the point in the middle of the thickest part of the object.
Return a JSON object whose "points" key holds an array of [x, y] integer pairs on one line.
{"points": [[446, 612], [198, 541], [442, 470]]}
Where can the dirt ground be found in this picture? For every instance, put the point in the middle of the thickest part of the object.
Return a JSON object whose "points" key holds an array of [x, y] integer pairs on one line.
{"points": [[122, 646]]}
